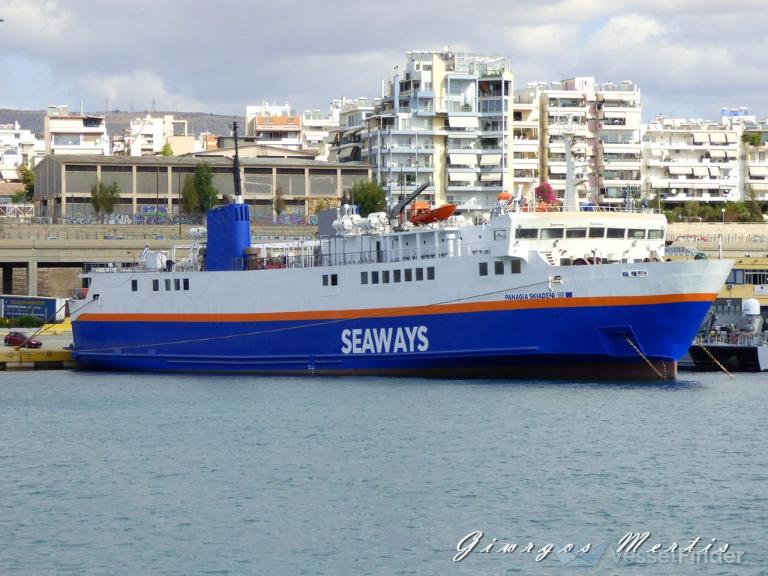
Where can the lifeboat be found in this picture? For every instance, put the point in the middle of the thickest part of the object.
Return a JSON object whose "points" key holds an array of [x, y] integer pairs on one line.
{"points": [[422, 214]]}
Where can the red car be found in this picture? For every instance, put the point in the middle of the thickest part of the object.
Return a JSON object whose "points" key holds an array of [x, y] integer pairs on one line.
{"points": [[21, 339]]}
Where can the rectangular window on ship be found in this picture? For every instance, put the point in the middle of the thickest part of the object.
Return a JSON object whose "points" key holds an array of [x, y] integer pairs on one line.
{"points": [[167, 284], [431, 273], [385, 277], [134, 285], [177, 283], [498, 267], [408, 275], [186, 283], [325, 279], [155, 285], [483, 268], [419, 274], [516, 267], [576, 233], [334, 279], [374, 277], [597, 232], [396, 275], [616, 233], [363, 277]]}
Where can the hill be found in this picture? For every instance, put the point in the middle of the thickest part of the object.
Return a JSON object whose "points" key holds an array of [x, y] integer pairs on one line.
{"points": [[118, 120]]}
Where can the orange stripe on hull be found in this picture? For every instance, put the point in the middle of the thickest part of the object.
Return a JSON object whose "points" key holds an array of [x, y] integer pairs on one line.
{"points": [[425, 310]]}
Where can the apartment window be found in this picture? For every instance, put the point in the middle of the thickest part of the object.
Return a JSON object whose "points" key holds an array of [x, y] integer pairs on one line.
{"points": [[408, 275], [374, 277], [483, 268], [431, 273], [177, 284], [185, 283], [516, 267], [363, 277], [155, 285], [498, 267], [385, 277], [419, 274], [134, 285], [396, 275], [167, 284]]}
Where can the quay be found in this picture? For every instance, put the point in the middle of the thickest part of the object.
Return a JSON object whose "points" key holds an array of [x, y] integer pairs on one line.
{"points": [[39, 359]]}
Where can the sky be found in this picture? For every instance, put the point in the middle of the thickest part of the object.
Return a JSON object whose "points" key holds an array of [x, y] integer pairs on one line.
{"points": [[689, 57]]}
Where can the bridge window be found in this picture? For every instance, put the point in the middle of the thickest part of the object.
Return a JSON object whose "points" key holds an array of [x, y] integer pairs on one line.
{"points": [[552, 233], [527, 233], [576, 233]]}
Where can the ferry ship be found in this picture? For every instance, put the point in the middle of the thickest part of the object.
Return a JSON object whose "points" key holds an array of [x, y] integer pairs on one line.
{"points": [[506, 293]]}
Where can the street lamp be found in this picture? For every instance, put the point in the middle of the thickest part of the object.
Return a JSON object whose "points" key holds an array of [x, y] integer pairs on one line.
{"points": [[722, 211]]}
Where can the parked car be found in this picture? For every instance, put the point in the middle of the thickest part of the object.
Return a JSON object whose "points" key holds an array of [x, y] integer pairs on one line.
{"points": [[21, 339]]}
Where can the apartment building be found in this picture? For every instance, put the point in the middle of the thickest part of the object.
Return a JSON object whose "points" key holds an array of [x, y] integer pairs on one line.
{"points": [[147, 136], [445, 118], [346, 141], [599, 125], [754, 173], [16, 148], [273, 125], [691, 160], [68, 133]]}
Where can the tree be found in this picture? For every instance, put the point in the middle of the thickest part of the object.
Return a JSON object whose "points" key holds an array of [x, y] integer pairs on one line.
{"points": [[28, 179], [190, 201], [546, 194], [104, 197], [206, 193], [368, 196], [166, 150], [278, 203], [751, 138]]}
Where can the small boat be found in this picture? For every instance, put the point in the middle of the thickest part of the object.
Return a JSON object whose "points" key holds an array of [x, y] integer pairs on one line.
{"points": [[742, 347], [422, 214]]}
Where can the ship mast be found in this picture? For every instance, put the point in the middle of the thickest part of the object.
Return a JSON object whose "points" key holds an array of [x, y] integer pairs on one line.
{"points": [[236, 169]]}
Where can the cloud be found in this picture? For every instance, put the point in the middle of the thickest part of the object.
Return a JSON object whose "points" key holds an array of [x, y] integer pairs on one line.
{"points": [[140, 88]]}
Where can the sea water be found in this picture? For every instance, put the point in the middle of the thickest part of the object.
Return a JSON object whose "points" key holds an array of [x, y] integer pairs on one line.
{"points": [[134, 474]]}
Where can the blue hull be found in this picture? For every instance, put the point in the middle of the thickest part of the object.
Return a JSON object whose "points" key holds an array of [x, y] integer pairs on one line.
{"points": [[556, 342]]}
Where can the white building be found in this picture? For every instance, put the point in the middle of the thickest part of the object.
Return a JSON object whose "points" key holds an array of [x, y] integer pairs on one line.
{"points": [[273, 125], [67, 133], [691, 160], [445, 118], [147, 136], [16, 148], [603, 124]]}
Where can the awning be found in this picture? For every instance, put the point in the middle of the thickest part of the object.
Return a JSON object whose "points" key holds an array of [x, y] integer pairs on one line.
{"points": [[717, 153], [714, 171], [730, 137], [732, 153], [345, 153], [490, 160], [758, 172], [680, 170], [464, 159], [9, 174], [759, 187], [558, 169], [463, 122], [700, 138], [462, 176], [491, 177], [701, 171], [717, 137]]}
